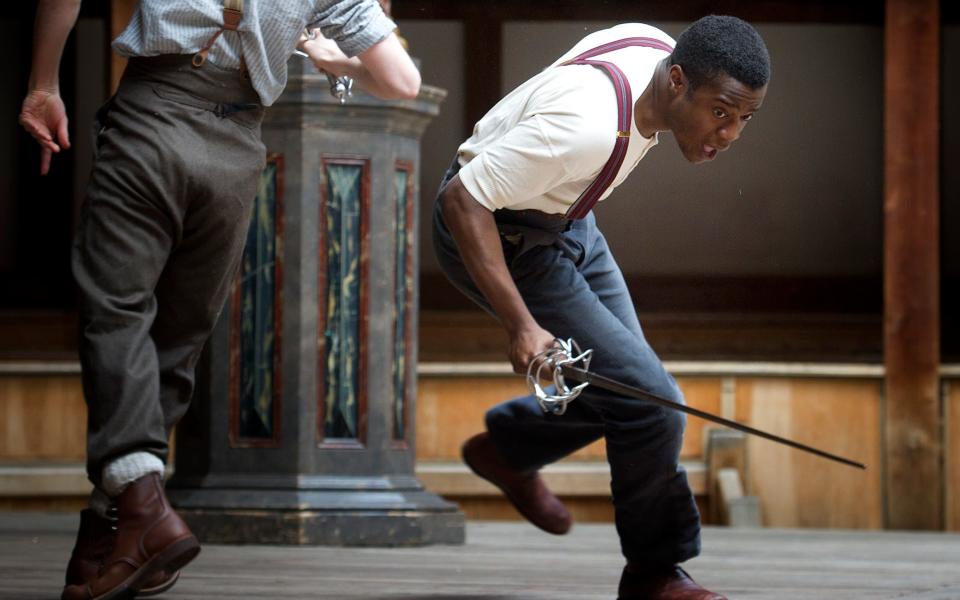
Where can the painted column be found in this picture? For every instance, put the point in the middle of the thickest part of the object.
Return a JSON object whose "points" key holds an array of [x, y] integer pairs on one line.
{"points": [[302, 429]]}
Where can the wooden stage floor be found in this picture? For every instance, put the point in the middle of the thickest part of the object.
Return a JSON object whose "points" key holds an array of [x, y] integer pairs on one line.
{"points": [[514, 561]]}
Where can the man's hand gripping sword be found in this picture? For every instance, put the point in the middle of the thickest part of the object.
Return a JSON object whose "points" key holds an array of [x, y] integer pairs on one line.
{"points": [[561, 362], [341, 88]]}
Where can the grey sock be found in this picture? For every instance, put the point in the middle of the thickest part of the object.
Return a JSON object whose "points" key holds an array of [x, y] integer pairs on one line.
{"points": [[120, 473]]}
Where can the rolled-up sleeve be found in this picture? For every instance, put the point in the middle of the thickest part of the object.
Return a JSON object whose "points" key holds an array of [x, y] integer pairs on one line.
{"points": [[355, 25], [528, 162]]}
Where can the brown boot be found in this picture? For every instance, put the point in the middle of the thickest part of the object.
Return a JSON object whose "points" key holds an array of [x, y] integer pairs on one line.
{"points": [[95, 541], [672, 583], [151, 541], [526, 491]]}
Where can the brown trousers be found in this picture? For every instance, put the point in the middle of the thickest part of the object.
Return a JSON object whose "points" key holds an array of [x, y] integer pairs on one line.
{"points": [[178, 160]]}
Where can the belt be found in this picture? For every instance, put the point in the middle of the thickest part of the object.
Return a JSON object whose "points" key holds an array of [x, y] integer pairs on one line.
{"points": [[527, 229], [536, 219]]}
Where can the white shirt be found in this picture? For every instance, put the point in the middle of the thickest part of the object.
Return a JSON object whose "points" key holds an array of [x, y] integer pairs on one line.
{"points": [[547, 140], [268, 33]]}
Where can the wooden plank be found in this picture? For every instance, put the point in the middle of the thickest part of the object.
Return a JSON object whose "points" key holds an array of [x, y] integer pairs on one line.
{"points": [[726, 451], [42, 418], [44, 479], [738, 510], [952, 462], [33, 480], [567, 478], [518, 562], [703, 393], [448, 413], [914, 483], [797, 489], [450, 410]]}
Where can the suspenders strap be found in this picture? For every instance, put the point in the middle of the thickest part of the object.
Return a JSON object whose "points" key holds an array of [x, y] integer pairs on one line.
{"points": [[232, 15], [595, 190]]}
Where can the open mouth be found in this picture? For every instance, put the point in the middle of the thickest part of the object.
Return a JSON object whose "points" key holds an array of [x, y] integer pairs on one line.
{"points": [[709, 152]]}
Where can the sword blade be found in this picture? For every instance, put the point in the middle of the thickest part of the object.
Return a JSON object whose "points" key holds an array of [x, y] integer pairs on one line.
{"points": [[633, 392]]}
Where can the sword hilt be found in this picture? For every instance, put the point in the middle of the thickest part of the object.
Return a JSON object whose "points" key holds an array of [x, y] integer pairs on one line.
{"points": [[341, 87], [563, 353]]}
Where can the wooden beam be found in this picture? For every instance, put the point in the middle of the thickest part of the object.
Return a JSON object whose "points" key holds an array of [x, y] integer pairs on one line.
{"points": [[726, 469], [914, 477]]}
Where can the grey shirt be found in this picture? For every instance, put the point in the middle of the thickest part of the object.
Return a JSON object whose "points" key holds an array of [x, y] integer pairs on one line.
{"points": [[267, 36]]}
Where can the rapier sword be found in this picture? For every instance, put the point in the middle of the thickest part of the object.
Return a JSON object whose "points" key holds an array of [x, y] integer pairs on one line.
{"points": [[562, 361]]}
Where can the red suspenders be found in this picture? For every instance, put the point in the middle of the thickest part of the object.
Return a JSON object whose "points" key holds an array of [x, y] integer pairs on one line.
{"points": [[592, 194]]}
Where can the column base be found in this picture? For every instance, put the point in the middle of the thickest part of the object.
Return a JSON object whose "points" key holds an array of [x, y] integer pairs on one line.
{"points": [[320, 518]]}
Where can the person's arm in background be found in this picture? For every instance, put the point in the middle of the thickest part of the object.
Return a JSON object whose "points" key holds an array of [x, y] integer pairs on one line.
{"points": [[478, 241], [43, 114], [385, 69]]}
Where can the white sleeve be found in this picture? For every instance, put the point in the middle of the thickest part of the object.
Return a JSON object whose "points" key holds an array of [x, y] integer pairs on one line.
{"points": [[541, 152]]}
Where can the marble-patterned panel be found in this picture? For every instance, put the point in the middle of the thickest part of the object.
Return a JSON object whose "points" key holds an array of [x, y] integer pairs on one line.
{"points": [[343, 278], [257, 315], [403, 284]]}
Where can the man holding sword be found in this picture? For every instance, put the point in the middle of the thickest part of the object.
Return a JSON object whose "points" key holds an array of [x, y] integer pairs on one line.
{"points": [[514, 231]]}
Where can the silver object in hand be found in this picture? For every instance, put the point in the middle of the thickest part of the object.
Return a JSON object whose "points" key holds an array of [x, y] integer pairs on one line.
{"points": [[548, 365], [341, 87]]}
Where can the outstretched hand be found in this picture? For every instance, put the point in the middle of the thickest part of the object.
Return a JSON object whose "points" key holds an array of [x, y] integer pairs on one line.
{"points": [[44, 116]]}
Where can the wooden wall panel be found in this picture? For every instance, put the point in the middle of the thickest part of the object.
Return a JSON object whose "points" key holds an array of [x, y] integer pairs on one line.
{"points": [[42, 418], [449, 410], [704, 394], [797, 489]]}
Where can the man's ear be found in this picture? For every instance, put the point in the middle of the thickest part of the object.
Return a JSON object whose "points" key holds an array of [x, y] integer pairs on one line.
{"points": [[678, 80]]}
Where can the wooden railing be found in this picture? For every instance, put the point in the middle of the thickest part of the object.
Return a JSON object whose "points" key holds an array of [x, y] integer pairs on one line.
{"points": [[836, 407]]}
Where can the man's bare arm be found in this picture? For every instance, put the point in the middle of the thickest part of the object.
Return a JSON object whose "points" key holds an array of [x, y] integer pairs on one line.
{"points": [[475, 232], [43, 114], [385, 69]]}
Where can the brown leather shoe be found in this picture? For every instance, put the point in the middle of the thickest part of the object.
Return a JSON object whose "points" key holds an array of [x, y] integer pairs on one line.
{"points": [[95, 541], [150, 539], [672, 583], [526, 491]]}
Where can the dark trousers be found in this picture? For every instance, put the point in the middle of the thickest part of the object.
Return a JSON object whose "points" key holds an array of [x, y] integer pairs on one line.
{"points": [[574, 289], [178, 159]]}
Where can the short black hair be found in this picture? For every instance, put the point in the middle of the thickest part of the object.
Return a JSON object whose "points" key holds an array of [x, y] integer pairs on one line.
{"points": [[717, 45]]}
